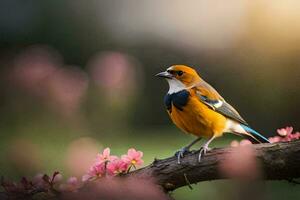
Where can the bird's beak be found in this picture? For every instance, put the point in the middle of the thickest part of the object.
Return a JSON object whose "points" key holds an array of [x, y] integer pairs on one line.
{"points": [[164, 75]]}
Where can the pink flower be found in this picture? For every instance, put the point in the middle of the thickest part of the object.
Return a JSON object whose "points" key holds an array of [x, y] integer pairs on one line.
{"points": [[97, 170], [285, 131], [285, 135], [296, 136], [133, 157], [117, 166], [105, 156], [275, 139]]}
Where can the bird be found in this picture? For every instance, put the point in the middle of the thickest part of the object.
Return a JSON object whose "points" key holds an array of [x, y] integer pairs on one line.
{"points": [[197, 108]]}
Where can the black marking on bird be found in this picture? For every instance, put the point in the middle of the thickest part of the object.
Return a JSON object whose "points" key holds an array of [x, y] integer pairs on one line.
{"points": [[178, 99]]}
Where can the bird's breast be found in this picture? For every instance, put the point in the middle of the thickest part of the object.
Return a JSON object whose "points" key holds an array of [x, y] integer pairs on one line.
{"points": [[191, 115], [178, 99]]}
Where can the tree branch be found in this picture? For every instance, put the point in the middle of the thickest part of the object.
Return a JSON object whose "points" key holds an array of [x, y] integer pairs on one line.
{"points": [[279, 161]]}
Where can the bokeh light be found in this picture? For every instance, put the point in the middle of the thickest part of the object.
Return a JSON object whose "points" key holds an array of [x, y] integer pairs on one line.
{"points": [[115, 74], [81, 155]]}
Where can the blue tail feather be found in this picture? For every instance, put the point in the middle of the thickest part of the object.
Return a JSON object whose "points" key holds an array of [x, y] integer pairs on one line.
{"points": [[255, 134]]}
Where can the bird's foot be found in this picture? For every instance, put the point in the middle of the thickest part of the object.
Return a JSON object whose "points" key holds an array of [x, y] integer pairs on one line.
{"points": [[203, 151], [180, 154]]}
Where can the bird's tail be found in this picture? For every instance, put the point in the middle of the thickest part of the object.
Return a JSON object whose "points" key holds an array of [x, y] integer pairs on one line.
{"points": [[254, 136]]}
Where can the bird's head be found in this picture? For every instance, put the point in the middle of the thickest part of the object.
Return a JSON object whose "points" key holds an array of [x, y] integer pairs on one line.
{"points": [[179, 77]]}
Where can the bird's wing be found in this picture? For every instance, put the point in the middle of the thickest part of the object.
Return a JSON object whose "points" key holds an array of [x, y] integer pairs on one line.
{"points": [[209, 96]]}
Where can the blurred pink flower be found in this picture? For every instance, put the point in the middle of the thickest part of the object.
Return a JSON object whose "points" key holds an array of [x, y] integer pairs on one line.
{"points": [[133, 157], [72, 184], [243, 142], [240, 163], [80, 155], [285, 135], [235, 143], [116, 74], [112, 70], [66, 89], [275, 139], [285, 131], [39, 71], [297, 135], [86, 177], [97, 170], [117, 166], [105, 156], [57, 178], [73, 180], [33, 67], [118, 188], [39, 182]]}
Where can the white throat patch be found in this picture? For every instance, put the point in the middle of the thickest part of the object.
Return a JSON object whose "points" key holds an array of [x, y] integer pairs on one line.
{"points": [[175, 86]]}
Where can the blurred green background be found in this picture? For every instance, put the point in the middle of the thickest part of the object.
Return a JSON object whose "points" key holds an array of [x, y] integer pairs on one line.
{"points": [[77, 76]]}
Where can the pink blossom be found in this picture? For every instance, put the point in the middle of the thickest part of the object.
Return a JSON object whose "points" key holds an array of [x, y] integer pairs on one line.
{"points": [[133, 157], [297, 135], [285, 131], [275, 139], [117, 166], [97, 170], [285, 135], [105, 156]]}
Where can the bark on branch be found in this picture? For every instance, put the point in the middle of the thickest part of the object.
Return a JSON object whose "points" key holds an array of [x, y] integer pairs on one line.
{"points": [[279, 161]]}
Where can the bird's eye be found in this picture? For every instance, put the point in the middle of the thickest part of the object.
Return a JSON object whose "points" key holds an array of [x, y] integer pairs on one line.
{"points": [[179, 73]]}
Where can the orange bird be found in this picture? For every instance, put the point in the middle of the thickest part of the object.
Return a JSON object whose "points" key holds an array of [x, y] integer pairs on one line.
{"points": [[197, 108]]}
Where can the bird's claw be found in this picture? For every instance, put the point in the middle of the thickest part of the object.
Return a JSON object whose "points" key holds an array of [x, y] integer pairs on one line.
{"points": [[180, 154], [202, 152]]}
